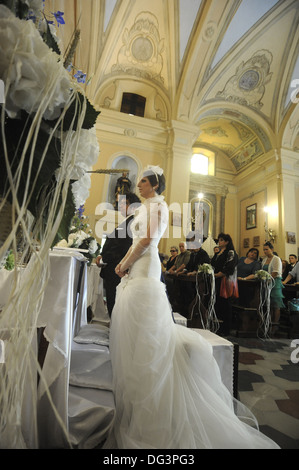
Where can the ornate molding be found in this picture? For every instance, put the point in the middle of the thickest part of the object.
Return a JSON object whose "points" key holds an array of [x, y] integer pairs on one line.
{"points": [[208, 184], [247, 86], [141, 53]]}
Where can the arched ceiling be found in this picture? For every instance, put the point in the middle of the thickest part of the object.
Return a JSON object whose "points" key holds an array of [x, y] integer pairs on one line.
{"points": [[228, 66]]}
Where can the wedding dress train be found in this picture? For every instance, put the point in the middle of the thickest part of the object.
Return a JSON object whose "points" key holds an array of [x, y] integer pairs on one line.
{"points": [[167, 384]]}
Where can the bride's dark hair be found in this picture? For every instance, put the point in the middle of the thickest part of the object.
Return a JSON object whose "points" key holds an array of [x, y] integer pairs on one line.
{"points": [[161, 182]]}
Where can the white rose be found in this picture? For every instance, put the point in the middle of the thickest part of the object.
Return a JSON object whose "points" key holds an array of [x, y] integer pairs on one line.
{"points": [[93, 246], [80, 190], [35, 5], [31, 71], [86, 148]]}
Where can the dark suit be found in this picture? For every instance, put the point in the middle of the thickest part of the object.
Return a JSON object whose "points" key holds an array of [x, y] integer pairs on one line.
{"points": [[115, 247], [187, 289]]}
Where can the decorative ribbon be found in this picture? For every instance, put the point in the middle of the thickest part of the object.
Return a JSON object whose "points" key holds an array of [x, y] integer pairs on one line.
{"points": [[211, 322], [266, 285]]}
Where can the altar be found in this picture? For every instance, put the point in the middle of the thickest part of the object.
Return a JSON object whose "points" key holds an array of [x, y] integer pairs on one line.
{"points": [[73, 400]]}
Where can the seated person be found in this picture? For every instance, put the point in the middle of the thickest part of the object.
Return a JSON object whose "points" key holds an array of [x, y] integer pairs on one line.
{"points": [[187, 289], [198, 256], [181, 260], [285, 269], [293, 275], [248, 265], [169, 282], [173, 254], [292, 261]]}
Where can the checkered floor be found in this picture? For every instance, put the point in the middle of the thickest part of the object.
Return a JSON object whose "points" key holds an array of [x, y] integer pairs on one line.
{"points": [[268, 383]]}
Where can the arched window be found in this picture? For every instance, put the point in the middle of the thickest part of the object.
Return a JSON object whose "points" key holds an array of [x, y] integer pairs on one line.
{"points": [[203, 162], [133, 104], [200, 164]]}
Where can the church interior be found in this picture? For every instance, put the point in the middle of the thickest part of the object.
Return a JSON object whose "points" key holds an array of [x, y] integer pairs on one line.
{"points": [[209, 80], [208, 90]]}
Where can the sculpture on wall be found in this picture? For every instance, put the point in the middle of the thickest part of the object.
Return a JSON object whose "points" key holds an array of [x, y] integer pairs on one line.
{"points": [[123, 184]]}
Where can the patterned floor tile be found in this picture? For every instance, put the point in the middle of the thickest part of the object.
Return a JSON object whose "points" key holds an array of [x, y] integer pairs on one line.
{"points": [[268, 384], [249, 357], [290, 406]]}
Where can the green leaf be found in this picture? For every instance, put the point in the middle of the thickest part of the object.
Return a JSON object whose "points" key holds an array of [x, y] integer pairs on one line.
{"points": [[89, 119], [49, 39], [65, 226]]}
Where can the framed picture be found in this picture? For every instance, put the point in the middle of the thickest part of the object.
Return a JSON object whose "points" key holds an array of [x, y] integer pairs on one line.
{"points": [[251, 217], [246, 243], [291, 238], [176, 219], [256, 241]]}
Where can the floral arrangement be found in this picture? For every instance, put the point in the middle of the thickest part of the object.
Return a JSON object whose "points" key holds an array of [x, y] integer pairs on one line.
{"points": [[262, 275], [205, 268], [47, 146], [81, 236], [48, 132]]}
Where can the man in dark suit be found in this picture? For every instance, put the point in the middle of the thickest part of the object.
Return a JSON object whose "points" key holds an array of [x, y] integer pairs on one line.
{"points": [[188, 289], [116, 246]]}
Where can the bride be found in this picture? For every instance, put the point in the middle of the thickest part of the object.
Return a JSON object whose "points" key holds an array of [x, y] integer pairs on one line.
{"points": [[167, 385]]}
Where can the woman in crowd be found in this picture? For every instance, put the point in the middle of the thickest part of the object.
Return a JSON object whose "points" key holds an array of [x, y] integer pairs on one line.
{"points": [[224, 264], [173, 254], [167, 385], [272, 264], [248, 265]]}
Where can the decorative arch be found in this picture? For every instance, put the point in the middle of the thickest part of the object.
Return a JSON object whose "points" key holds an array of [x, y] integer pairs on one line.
{"points": [[110, 95], [291, 131], [121, 160]]}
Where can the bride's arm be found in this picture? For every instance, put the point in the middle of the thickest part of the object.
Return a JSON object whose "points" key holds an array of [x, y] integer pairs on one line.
{"points": [[154, 223]]}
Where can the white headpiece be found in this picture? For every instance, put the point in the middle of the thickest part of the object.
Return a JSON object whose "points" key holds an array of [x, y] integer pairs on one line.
{"points": [[153, 170]]}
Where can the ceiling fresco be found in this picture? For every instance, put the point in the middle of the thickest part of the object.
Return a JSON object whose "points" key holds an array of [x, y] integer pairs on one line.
{"points": [[229, 67]]}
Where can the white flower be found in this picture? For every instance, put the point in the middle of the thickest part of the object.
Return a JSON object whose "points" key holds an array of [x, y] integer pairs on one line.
{"points": [[35, 5], [86, 148], [263, 275], [80, 190], [93, 246], [63, 244], [205, 268], [31, 71], [77, 238]]}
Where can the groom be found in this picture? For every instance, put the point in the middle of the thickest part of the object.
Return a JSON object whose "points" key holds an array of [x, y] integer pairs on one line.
{"points": [[116, 246]]}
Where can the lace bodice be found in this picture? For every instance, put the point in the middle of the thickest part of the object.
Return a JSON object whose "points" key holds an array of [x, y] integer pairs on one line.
{"points": [[151, 217]]}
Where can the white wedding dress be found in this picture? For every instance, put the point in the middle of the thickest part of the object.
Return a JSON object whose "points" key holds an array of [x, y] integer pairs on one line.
{"points": [[167, 384]]}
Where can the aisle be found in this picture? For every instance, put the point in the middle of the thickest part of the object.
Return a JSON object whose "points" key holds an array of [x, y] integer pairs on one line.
{"points": [[269, 386]]}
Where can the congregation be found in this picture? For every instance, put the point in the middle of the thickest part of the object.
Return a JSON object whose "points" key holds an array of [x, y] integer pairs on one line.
{"points": [[230, 272], [179, 273]]}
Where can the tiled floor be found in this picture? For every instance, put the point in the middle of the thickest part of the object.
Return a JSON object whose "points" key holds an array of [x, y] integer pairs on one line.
{"points": [[268, 383]]}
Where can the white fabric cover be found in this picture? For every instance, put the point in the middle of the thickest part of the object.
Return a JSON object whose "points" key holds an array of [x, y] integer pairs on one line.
{"points": [[91, 369], [93, 333], [167, 384], [179, 319], [91, 413]]}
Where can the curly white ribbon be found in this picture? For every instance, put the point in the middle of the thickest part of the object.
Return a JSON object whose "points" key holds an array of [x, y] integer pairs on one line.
{"points": [[264, 312], [211, 322]]}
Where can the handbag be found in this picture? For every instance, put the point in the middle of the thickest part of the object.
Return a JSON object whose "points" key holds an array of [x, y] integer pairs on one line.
{"points": [[229, 288]]}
